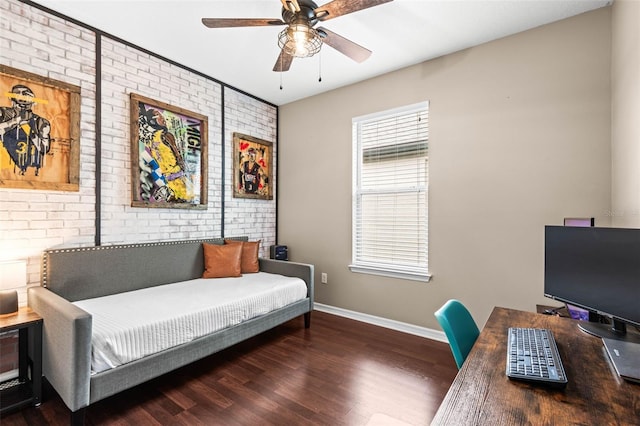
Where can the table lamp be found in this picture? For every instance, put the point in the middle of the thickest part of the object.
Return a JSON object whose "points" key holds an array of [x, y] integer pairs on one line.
{"points": [[13, 275]]}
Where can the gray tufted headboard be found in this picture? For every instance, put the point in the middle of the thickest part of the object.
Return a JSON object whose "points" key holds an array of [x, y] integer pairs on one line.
{"points": [[87, 272]]}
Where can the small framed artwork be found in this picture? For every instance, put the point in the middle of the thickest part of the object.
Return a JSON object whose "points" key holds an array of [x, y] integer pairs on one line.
{"points": [[252, 167], [579, 221], [39, 132], [168, 155]]}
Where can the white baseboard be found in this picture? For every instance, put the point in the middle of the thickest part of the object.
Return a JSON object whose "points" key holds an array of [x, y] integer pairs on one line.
{"points": [[384, 322]]}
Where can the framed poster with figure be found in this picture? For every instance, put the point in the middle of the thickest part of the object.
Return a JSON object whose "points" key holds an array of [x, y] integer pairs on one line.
{"points": [[39, 132], [252, 167], [168, 155]]}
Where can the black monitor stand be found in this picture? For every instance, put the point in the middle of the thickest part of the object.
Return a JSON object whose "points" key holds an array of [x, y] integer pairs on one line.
{"points": [[617, 330]]}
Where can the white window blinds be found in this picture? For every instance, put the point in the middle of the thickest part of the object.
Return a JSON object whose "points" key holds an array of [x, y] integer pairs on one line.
{"points": [[390, 193]]}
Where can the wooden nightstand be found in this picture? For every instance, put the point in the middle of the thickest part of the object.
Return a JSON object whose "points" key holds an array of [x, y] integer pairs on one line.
{"points": [[27, 388]]}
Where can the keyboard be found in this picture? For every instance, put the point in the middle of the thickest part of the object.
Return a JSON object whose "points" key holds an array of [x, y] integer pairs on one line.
{"points": [[532, 355]]}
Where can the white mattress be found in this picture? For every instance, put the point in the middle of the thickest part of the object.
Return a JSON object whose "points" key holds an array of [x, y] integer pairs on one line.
{"points": [[128, 326]]}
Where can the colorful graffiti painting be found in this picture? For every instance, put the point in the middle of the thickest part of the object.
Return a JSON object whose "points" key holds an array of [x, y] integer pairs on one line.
{"points": [[169, 155], [252, 167], [39, 132]]}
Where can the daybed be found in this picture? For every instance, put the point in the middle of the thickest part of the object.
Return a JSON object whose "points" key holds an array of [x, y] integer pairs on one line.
{"points": [[72, 276]]}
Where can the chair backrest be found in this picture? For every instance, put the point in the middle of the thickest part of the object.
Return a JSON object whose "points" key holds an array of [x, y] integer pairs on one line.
{"points": [[460, 328]]}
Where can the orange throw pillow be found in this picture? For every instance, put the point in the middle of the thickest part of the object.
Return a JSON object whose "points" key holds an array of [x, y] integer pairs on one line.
{"points": [[250, 252], [222, 261]]}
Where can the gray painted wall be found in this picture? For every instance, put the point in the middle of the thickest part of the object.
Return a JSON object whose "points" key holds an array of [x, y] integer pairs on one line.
{"points": [[520, 137], [625, 106]]}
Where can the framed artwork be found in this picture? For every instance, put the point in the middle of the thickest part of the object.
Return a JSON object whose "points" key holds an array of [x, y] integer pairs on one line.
{"points": [[579, 221], [252, 167], [168, 155], [39, 132]]}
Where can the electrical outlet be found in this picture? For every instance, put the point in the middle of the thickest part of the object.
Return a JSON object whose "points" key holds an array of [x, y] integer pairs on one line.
{"points": [[323, 277]]}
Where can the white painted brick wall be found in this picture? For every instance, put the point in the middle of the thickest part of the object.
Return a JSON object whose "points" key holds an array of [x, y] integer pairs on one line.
{"points": [[127, 70], [255, 218], [34, 220]]}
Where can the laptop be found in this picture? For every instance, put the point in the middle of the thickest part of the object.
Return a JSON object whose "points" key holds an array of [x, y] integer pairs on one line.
{"points": [[625, 357]]}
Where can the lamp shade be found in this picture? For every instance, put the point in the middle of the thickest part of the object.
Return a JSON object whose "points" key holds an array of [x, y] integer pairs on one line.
{"points": [[8, 302], [13, 275]]}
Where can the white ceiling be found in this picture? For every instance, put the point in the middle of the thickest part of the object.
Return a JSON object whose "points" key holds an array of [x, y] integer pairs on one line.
{"points": [[400, 33]]}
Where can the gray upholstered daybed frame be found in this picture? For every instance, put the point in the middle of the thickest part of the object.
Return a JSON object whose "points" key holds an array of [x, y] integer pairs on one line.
{"points": [[75, 274]]}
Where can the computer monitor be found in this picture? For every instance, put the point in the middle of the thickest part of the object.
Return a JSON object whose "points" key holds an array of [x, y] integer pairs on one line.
{"points": [[596, 269]]}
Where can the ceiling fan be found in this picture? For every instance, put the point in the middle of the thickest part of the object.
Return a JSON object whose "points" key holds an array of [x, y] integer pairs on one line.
{"points": [[300, 39]]}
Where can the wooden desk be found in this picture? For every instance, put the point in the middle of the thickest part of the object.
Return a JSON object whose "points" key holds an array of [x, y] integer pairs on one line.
{"points": [[481, 393]]}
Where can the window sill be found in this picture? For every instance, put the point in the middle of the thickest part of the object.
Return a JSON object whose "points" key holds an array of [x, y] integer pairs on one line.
{"points": [[392, 273]]}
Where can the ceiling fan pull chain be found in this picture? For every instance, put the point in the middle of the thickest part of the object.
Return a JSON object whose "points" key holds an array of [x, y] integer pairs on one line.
{"points": [[281, 79], [280, 59], [320, 67]]}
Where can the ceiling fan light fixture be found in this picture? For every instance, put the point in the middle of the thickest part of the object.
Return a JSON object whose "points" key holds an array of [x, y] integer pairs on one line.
{"points": [[300, 40]]}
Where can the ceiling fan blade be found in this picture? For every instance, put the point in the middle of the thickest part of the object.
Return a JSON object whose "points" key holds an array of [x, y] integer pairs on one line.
{"points": [[337, 8], [343, 45], [283, 63], [240, 22], [291, 5]]}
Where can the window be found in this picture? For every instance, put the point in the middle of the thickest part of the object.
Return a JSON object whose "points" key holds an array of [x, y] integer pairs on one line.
{"points": [[390, 181]]}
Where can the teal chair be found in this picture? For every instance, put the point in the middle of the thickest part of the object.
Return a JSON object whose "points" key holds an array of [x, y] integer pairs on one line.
{"points": [[460, 328]]}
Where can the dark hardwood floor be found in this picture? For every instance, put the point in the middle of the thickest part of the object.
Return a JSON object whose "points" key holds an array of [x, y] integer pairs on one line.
{"points": [[338, 372]]}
